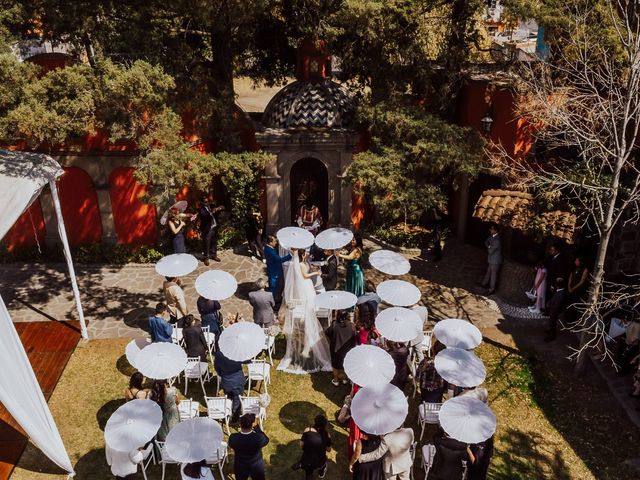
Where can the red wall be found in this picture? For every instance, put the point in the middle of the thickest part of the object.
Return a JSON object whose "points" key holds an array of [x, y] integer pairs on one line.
{"points": [[135, 221], [22, 233], [80, 207]]}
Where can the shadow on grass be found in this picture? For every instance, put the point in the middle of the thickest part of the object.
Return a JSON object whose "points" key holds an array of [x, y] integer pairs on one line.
{"points": [[107, 410], [34, 460], [124, 367], [296, 416], [138, 318]]}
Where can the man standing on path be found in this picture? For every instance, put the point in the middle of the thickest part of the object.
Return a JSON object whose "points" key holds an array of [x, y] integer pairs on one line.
{"points": [[556, 306], [274, 268], [209, 228], [494, 259], [247, 445], [263, 305], [395, 452], [556, 268], [176, 301], [159, 328]]}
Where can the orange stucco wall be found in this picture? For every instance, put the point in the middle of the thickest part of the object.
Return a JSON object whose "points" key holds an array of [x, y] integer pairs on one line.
{"points": [[79, 207], [28, 230]]}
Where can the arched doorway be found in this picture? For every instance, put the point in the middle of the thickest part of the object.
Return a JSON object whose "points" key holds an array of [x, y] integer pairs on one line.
{"points": [[309, 179]]}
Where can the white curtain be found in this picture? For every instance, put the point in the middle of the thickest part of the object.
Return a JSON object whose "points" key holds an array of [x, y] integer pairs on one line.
{"points": [[22, 397]]}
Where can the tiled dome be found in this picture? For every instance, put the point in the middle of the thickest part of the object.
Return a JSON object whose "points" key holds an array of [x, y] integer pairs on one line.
{"points": [[310, 105]]}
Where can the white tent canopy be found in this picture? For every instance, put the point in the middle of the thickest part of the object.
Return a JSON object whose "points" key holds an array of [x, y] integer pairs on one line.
{"points": [[22, 178]]}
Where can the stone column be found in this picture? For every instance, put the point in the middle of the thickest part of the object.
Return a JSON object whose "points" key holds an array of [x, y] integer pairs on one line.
{"points": [[109, 236], [461, 221], [273, 188], [345, 191]]}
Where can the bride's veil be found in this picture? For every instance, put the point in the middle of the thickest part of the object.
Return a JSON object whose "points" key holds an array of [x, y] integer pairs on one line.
{"points": [[293, 282]]}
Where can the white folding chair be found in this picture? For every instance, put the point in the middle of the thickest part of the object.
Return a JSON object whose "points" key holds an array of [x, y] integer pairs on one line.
{"points": [[269, 344], [219, 408], [219, 458], [428, 413], [196, 369], [428, 452], [176, 336], [427, 340], [412, 452], [465, 470], [148, 456], [188, 409], [211, 341], [259, 371], [252, 405], [165, 459]]}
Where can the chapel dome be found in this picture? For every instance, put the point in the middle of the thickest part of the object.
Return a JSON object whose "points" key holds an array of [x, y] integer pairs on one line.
{"points": [[304, 104]]}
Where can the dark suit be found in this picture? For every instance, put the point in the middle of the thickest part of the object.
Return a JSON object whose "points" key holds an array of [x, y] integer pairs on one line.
{"points": [[330, 273], [494, 260], [556, 268], [195, 343], [263, 305], [247, 450], [447, 462], [209, 230], [556, 307], [232, 381]]}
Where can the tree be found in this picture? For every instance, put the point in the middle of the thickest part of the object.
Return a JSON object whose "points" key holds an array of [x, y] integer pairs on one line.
{"points": [[585, 104], [413, 159]]}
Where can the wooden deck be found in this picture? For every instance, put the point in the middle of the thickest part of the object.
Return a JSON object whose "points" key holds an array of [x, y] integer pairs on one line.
{"points": [[49, 346]]}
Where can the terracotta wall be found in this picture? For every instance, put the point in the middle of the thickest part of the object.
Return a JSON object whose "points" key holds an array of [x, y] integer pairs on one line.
{"points": [[28, 230], [79, 207], [134, 221]]}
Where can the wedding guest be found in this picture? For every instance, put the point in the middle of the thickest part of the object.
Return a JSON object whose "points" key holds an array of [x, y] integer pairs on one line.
{"points": [[432, 385], [263, 305], [556, 306], [447, 462], [209, 225], [540, 288], [159, 329], [395, 452], [247, 447], [370, 295], [210, 315], [167, 398], [253, 231], [315, 444], [175, 299], [481, 454], [494, 259], [196, 470], [177, 228], [232, 381], [342, 338], [400, 354], [415, 345], [366, 471], [195, 343], [124, 465], [577, 286], [355, 274], [330, 270], [274, 268], [135, 390], [366, 333], [556, 268]]}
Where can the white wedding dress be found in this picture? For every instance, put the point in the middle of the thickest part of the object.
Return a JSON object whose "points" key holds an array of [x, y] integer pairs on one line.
{"points": [[307, 347]]}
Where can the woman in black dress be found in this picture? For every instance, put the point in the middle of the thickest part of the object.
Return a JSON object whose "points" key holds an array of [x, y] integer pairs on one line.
{"points": [[400, 354], [342, 338], [315, 444], [370, 470]]}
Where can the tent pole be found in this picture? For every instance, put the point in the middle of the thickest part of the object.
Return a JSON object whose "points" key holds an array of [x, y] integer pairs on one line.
{"points": [[67, 253]]}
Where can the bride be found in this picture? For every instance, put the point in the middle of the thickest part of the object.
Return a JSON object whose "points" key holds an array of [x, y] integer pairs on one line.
{"points": [[307, 347]]}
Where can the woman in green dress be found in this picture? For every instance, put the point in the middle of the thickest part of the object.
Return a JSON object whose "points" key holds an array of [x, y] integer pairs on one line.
{"points": [[167, 398], [355, 274]]}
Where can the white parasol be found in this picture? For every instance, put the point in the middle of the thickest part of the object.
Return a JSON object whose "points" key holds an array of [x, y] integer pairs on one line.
{"points": [[216, 284], [176, 265], [379, 410], [460, 367], [334, 238], [368, 366], [161, 360], [336, 300], [132, 425], [453, 332], [193, 440], [295, 237], [467, 419], [242, 341], [133, 348], [181, 206], [399, 293], [389, 262], [399, 324]]}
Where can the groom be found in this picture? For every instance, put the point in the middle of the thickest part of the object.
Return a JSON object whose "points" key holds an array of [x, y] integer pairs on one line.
{"points": [[330, 271], [274, 268]]}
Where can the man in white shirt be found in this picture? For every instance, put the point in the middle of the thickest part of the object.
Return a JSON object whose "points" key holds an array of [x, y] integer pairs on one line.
{"points": [[124, 465]]}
